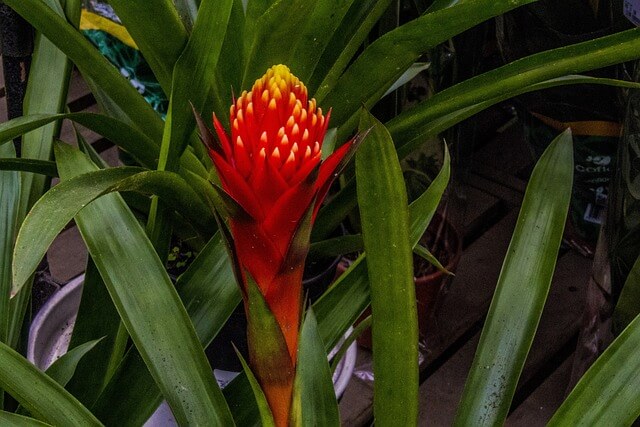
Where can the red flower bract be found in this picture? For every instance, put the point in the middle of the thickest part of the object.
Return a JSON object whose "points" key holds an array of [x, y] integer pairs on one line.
{"points": [[272, 172], [271, 166]]}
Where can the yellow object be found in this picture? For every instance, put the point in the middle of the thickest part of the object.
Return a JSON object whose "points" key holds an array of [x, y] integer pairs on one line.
{"points": [[585, 128], [92, 21]]}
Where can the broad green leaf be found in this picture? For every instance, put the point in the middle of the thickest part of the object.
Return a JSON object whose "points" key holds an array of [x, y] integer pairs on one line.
{"points": [[191, 81], [407, 76], [49, 74], [190, 84], [516, 78], [9, 202], [41, 395], [143, 149], [60, 204], [607, 394], [253, 9], [443, 123], [521, 291], [97, 317], [384, 215], [422, 209], [627, 307], [266, 418], [44, 167], [209, 293], [341, 305], [9, 419], [353, 30], [91, 63], [158, 32], [147, 302], [314, 396], [336, 246], [244, 408], [273, 37], [63, 369], [331, 215], [316, 35], [393, 53]]}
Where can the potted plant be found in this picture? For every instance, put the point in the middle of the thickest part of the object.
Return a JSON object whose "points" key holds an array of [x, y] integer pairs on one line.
{"points": [[230, 45]]}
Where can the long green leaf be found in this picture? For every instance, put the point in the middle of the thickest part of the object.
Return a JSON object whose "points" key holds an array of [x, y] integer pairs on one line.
{"points": [[341, 305], [266, 417], [422, 209], [63, 369], [521, 291], [49, 74], [445, 122], [148, 303], [9, 203], [314, 396], [158, 32], [384, 217], [226, 77], [97, 317], [347, 39], [143, 149], [91, 63], [608, 393], [627, 307], [191, 82], [513, 78], [54, 210], [392, 54], [274, 35], [316, 35], [9, 419], [44, 167], [338, 208], [40, 394], [209, 293]]}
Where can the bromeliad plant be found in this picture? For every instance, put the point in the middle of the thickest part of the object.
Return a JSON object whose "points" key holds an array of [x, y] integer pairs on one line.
{"points": [[274, 181], [152, 332]]}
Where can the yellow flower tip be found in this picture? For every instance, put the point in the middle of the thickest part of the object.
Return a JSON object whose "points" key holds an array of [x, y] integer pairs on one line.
{"points": [[278, 81]]}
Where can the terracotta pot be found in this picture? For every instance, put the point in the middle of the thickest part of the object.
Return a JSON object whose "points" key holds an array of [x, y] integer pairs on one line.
{"points": [[428, 286]]}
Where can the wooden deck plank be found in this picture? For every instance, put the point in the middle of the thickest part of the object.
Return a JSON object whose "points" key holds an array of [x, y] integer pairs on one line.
{"points": [[440, 393]]}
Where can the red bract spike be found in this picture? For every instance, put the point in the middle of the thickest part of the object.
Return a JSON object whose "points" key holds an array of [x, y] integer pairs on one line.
{"points": [[241, 157], [273, 170]]}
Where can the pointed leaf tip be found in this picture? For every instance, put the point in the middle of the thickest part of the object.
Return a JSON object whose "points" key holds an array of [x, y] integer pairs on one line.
{"points": [[206, 135]]}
